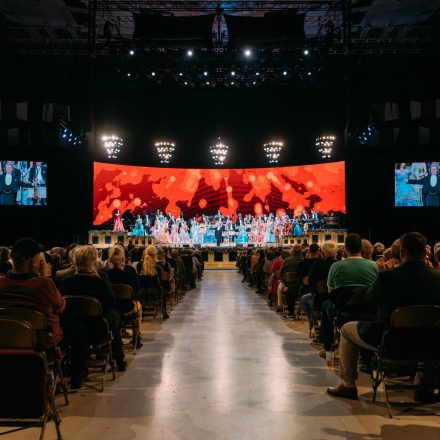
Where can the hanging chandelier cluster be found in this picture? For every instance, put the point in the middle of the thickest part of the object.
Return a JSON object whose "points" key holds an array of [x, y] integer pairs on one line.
{"points": [[325, 145], [165, 151], [112, 145], [219, 151], [272, 150]]}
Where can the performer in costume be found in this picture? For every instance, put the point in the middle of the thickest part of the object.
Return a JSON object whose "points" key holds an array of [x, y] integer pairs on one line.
{"points": [[138, 230], [297, 230], [174, 237], [430, 186], [183, 234], [118, 225], [405, 194]]}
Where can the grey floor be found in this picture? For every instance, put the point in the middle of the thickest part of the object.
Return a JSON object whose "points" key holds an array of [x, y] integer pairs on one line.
{"points": [[226, 367]]}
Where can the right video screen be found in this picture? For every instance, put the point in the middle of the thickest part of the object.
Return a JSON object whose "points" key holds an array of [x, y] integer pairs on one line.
{"points": [[416, 184]]}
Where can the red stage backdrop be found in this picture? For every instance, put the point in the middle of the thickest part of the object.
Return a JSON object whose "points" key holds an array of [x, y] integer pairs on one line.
{"points": [[193, 192]]}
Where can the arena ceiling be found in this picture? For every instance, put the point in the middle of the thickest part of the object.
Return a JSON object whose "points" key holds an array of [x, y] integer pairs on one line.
{"points": [[74, 13]]}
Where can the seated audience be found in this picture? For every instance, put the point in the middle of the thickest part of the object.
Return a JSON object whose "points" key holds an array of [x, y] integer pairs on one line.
{"points": [[344, 275], [410, 284], [5, 264], [290, 264], [26, 286], [319, 272], [86, 281], [367, 249]]}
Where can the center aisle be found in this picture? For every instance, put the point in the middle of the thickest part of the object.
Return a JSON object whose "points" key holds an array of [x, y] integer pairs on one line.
{"points": [[227, 367]]}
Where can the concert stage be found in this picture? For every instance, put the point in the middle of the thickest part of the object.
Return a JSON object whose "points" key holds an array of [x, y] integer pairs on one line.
{"points": [[103, 239]]}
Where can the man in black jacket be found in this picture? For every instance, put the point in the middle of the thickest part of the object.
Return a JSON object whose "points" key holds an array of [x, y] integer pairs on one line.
{"points": [[410, 284]]}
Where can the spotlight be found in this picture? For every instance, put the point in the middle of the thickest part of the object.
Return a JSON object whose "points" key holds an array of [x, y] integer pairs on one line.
{"points": [[272, 150], [258, 74], [180, 74], [247, 52], [205, 73], [189, 52], [233, 73], [112, 145], [129, 74], [309, 73], [285, 72], [165, 150], [254, 82], [153, 73], [207, 83], [186, 83], [219, 151], [325, 145], [232, 83], [306, 51], [131, 52]]}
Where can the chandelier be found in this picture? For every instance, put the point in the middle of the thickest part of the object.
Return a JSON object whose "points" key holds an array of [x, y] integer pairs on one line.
{"points": [[165, 151], [272, 150], [112, 145], [325, 145], [219, 151]]}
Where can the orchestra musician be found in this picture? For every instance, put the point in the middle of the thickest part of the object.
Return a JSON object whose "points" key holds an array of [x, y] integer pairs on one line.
{"points": [[38, 178], [219, 228]]}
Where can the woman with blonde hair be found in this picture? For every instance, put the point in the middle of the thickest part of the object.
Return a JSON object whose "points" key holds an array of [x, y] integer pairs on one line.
{"points": [[150, 271]]}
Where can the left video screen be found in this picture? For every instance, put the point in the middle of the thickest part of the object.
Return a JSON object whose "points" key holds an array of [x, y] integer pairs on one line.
{"points": [[23, 183]]}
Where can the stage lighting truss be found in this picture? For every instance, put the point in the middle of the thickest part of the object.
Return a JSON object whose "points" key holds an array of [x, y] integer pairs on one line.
{"points": [[165, 151], [219, 151], [272, 150], [325, 145], [112, 145]]}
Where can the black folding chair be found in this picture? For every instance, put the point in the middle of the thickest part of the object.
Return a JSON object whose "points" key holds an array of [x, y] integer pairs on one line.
{"points": [[99, 337], [408, 346], [130, 320], [152, 298], [320, 290], [292, 281], [27, 384], [55, 356]]}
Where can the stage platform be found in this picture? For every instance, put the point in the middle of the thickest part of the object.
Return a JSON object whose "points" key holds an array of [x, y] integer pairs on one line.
{"points": [[103, 239]]}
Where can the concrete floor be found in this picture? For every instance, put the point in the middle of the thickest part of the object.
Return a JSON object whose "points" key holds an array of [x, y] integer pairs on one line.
{"points": [[226, 367]]}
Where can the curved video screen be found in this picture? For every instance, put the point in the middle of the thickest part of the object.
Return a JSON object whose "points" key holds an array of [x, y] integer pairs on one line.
{"points": [[417, 184], [193, 192], [23, 183]]}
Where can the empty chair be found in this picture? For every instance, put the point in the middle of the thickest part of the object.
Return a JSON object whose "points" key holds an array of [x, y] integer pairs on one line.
{"points": [[26, 382]]}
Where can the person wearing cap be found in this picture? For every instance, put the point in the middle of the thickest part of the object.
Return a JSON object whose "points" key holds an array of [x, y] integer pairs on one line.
{"points": [[26, 286]]}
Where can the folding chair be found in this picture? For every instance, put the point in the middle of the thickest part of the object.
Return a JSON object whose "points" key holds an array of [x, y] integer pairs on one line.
{"points": [[55, 356], [99, 337], [130, 320], [410, 344], [26, 382], [292, 280], [152, 298], [320, 290]]}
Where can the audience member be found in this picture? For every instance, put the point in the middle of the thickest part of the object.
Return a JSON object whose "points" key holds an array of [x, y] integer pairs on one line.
{"points": [[411, 283], [5, 264]]}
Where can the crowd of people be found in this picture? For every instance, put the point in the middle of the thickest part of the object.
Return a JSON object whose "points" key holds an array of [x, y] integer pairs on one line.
{"points": [[217, 229], [31, 277], [355, 287]]}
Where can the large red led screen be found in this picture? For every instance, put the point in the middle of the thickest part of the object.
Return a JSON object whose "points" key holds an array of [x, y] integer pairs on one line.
{"points": [[193, 192]]}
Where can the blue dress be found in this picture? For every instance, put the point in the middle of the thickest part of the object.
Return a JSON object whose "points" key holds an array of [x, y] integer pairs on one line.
{"points": [[297, 230], [405, 194], [138, 230], [242, 236]]}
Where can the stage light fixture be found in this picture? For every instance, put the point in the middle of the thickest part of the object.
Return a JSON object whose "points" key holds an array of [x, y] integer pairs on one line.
{"points": [[325, 145], [247, 52], [207, 83], [153, 73], [205, 73], [112, 145], [258, 74], [180, 74], [272, 149], [309, 73], [233, 73], [306, 52], [219, 151], [232, 83], [165, 151], [131, 52], [186, 83], [189, 52], [285, 72], [129, 74]]}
